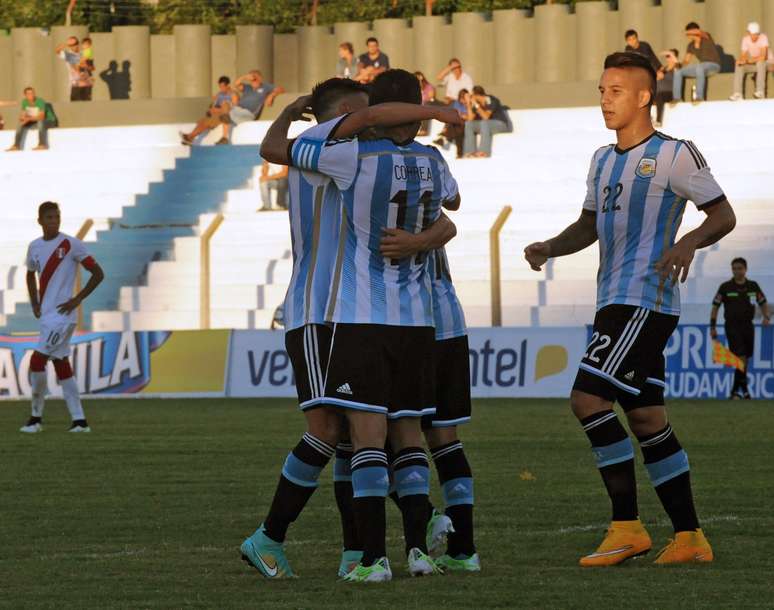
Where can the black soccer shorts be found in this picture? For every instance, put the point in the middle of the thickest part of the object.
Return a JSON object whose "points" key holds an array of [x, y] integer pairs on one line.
{"points": [[382, 369], [308, 348], [741, 338], [452, 384], [624, 361]]}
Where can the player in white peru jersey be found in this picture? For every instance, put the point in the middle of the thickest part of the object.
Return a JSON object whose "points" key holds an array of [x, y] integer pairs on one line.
{"points": [[52, 265]]}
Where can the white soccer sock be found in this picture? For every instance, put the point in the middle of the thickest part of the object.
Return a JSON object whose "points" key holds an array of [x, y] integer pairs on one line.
{"points": [[72, 398], [39, 387]]}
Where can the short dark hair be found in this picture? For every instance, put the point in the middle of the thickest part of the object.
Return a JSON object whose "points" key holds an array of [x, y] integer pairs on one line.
{"points": [[395, 85], [461, 93], [675, 52], [328, 92], [371, 39], [28, 89], [478, 90], [348, 46], [739, 260], [224, 80], [692, 25], [75, 38], [47, 206], [631, 33], [87, 39], [629, 60]]}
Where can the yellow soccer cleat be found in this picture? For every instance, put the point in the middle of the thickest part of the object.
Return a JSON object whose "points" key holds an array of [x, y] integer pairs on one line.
{"points": [[624, 540], [686, 547]]}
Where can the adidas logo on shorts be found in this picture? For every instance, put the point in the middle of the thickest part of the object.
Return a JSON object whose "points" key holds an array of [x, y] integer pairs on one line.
{"points": [[629, 376], [344, 389]]}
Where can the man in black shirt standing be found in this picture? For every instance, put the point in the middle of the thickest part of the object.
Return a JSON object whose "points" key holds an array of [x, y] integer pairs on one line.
{"points": [[635, 45], [739, 296]]}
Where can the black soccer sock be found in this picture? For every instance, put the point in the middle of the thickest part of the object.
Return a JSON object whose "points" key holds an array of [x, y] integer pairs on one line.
{"points": [[342, 489], [412, 484], [739, 381], [667, 465], [614, 453], [457, 483], [370, 483], [296, 485]]}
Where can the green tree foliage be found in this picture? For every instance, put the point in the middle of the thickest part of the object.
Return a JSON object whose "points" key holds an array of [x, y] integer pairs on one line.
{"points": [[224, 15]]}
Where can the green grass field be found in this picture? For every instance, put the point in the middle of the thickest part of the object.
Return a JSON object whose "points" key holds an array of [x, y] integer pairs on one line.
{"points": [[149, 510]]}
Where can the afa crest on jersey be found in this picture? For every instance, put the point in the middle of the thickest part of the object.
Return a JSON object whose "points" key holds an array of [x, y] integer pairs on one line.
{"points": [[646, 167]]}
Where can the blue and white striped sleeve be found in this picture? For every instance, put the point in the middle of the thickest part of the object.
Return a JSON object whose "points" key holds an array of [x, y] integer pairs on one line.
{"points": [[316, 151], [691, 178]]}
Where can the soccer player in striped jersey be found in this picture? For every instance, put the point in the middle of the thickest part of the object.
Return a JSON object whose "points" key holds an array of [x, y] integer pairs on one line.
{"points": [[341, 109], [453, 408], [637, 192], [381, 351], [52, 266]]}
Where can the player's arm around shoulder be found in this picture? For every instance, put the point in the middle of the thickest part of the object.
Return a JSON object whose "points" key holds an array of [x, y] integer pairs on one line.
{"points": [[276, 147]]}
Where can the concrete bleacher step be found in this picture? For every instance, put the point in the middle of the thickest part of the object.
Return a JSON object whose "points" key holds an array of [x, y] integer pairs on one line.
{"points": [[540, 170]]}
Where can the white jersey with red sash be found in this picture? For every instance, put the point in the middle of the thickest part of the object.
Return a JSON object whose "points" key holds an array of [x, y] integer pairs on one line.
{"points": [[56, 263]]}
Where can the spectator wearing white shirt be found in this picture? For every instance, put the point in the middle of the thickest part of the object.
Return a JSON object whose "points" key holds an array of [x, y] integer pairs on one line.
{"points": [[754, 57], [454, 79], [274, 178]]}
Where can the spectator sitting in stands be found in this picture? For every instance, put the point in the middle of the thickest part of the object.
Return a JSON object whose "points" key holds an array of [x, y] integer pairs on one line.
{"points": [[372, 63], [217, 114], [635, 45], [703, 48], [486, 117], [347, 65], [665, 77], [35, 112], [428, 97], [80, 76], [456, 133], [248, 104], [754, 57], [274, 178], [455, 80]]}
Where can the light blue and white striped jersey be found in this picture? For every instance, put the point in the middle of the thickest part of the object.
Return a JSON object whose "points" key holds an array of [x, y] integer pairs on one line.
{"points": [[383, 185], [447, 310], [639, 197], [315, 218]]}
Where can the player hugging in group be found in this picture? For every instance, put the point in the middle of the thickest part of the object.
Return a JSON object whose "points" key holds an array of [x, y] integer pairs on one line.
{"points": [[52, 266], [637, 192], [362, 325]]}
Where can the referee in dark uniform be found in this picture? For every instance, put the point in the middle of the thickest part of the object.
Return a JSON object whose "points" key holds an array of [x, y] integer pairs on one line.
{"points": [[738, 296]]}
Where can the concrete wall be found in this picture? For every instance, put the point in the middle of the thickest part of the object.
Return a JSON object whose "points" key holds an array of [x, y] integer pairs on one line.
{"points": [[507, 47]]}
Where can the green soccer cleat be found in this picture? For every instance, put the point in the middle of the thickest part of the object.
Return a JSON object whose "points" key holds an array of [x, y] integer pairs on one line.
{"points": [[421, 564], [461, 563], [379, 571], [349, 561], [438, 528], [266, 555]]}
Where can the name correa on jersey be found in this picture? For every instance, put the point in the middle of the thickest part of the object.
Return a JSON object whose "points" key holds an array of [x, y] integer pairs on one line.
{"points": [[639, 196], [383, 185]]}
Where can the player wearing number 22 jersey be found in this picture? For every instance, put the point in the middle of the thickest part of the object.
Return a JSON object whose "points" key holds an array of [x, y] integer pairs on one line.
{"points": [[637, 191]]}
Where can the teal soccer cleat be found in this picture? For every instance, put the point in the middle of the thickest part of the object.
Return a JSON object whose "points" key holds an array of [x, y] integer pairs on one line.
{"points": [[349, 561], [266, 555]]}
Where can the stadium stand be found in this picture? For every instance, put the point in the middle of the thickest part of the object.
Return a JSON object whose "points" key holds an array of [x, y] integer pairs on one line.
{"points": [[139, 177]]}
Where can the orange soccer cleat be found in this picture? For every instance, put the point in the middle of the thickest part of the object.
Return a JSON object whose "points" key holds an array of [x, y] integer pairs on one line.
{"points": [[686, 547], [624, 540]]}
